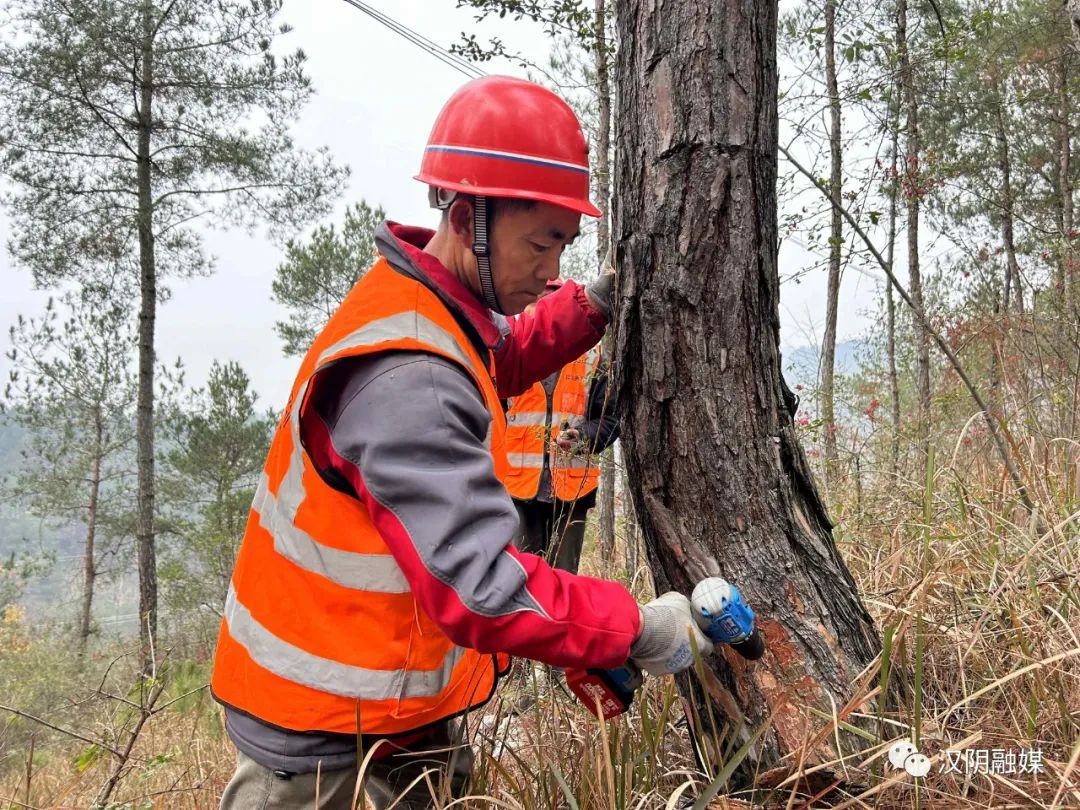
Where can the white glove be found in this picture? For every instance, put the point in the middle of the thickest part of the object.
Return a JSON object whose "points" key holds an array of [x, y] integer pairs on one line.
{"points": [[663, 647], [600, 291]]}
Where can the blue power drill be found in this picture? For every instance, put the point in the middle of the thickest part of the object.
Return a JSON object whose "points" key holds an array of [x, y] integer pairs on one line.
{"points": [[722, 616], [725, 618]]}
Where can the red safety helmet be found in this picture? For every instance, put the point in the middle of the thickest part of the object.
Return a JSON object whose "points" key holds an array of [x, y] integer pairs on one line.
{"points": [[499, 136]]}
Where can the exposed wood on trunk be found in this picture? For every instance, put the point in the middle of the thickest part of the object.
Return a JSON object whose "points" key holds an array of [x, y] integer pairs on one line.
{"points": [[836, 235], [721, 483]]}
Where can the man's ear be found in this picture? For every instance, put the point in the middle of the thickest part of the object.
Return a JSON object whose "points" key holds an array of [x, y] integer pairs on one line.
{"points": [[461, 219]]}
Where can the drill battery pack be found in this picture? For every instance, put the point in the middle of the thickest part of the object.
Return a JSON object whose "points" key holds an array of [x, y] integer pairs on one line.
{"points": [[611, 689]]}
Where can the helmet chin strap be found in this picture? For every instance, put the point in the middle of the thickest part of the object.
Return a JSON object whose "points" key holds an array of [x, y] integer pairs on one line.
{"points": [[483, 254]]}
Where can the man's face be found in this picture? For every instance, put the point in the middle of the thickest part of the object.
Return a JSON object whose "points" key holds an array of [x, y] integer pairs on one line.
{"points": [[526, 245]]}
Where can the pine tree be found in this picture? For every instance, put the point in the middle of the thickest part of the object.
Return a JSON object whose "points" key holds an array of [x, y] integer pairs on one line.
{"points": [[123, 125]]}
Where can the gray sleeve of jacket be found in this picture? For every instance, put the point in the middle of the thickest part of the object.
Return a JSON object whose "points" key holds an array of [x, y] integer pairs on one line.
{"points": [[413, 424]]}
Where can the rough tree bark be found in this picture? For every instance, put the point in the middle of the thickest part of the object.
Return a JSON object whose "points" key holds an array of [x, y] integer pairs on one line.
{"points": [[721, 483], [913, 190], [144, 429], [601, 56], [836, 235]]}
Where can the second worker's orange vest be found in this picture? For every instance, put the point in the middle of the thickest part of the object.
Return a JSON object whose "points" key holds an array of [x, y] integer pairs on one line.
{"points": [[530, 421], [321, 631]]}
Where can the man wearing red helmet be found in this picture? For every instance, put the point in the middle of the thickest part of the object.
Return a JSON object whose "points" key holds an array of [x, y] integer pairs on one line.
{"points": [[377, 594]]}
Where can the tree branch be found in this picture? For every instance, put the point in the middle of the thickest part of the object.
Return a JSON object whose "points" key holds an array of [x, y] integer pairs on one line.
{"points": [[68, 732], [161, 19], [41, 150], [207, 192], [97, 114]]}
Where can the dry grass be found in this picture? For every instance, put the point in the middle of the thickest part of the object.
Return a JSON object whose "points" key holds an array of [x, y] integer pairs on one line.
{"points": [[979, 600]]}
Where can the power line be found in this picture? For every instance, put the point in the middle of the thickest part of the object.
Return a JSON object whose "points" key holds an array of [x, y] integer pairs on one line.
{"points": [[454, 61]]}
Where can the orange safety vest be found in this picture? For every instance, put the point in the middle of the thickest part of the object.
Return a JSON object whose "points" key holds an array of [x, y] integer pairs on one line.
{"points": [[531, 419], [321, 631]]}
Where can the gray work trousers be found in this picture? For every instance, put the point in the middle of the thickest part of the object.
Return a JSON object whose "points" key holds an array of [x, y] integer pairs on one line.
{"points": [[446, 758]]}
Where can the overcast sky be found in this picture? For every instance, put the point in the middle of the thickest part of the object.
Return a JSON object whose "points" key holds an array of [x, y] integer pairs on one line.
{"points": [[377, 96]]}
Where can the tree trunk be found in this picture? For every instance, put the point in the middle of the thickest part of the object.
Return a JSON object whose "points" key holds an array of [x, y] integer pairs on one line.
{"points": [[913, 192], [144, 532], [89, 564], [1014, 292], [721, 483], [836, 235], [890, 303], [603, 245], [1013, 296], [1067, 282]]}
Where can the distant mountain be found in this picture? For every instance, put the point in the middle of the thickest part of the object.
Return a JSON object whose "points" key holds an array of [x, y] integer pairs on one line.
{"points": [[800, 363], [11, 442]]}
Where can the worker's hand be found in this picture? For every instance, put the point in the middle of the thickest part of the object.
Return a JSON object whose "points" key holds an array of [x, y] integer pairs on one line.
{"points": [[601, 292], [568, 439], [663, 646]]}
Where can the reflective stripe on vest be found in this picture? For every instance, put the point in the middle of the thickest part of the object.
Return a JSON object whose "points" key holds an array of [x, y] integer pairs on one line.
{"points": [[320, 626], [366, 572], [529, 424], [519, 418], [390, 329], [537, 459], [291, 662]]}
